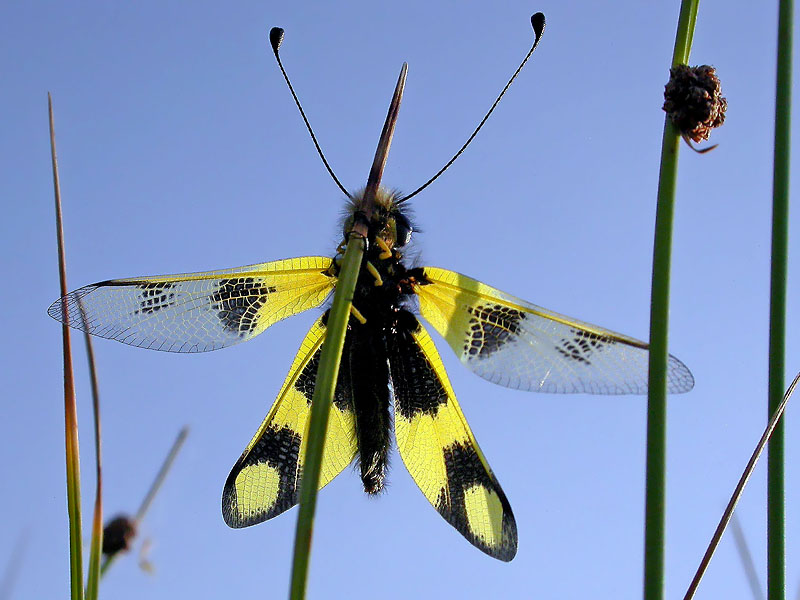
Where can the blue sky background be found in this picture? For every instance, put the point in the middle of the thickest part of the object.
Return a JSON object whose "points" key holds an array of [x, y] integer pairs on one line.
{"points": [[180, 150]]}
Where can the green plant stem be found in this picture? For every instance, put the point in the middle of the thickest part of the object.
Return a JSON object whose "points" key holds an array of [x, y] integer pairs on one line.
{"points": [[659, 324], [96, 549], [93, 580], [327, 373], [70, 409], [776, 551], [161, 475], [657, 384]]}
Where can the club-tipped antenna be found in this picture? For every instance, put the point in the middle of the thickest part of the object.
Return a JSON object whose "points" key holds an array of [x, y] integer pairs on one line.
{"points": [[538, 23], [275, 39]]}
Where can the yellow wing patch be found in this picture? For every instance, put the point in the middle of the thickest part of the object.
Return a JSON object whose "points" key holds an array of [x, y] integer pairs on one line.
{"points": [[441, 453], [197, 312], [522, 346], [266, 479]]}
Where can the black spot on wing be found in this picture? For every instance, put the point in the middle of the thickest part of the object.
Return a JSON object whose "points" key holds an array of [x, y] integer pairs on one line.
{"points": [[237, 302], [280, 449], [343, 397], [582, 345], [490, 328], [417, 388], [306, 381], [154, 297], [465, 470]]}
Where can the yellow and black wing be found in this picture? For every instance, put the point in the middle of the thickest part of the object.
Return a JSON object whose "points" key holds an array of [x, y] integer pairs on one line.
{"points": [[265, 481], [522, 346], [441, 453], [197, 312]]}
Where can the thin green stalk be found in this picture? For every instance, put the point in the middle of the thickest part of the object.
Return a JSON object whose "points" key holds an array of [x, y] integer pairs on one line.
{"points": [[96, 549], [776, 551], [327, 374], [161, 475], [659, 323], [154, 487], [70, 409], [331, 353]]}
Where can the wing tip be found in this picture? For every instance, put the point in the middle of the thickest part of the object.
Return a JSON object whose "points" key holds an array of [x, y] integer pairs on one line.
{"points": [[67, 309], [679, 378], [56, 310], [506, 548], [231, 514], [506, 553]]}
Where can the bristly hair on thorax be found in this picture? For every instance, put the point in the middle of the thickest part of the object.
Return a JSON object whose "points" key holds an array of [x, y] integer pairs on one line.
{"points": [[388, 219]]}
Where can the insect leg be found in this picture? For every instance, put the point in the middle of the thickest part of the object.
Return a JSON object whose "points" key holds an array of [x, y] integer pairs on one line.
{"points": [[374, 272], [387, 251]]}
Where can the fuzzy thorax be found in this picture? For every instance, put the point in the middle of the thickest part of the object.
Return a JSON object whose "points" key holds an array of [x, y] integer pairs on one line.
{"points": [[383, 216]]}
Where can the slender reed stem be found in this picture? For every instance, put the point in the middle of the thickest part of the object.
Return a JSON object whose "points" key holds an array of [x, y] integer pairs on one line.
{"points": [[154, 487], [659, 322], [93, 580], [776, 550], [161, 475], [70, 409], [327, 373], [331, 353], [769, 433]]}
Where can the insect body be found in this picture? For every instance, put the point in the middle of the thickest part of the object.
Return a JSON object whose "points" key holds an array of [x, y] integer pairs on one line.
{"points": [[390, 371]]}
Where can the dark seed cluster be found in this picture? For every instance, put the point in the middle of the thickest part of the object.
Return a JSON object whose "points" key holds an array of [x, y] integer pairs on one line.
{"points": [[693, 100], [118, 535]]}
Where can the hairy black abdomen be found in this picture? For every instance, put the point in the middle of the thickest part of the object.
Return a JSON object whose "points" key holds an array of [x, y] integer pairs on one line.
{"points": [[370, 380]]}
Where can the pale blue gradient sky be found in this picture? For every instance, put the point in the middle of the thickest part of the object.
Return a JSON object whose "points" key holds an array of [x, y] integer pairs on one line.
{"points": [[180, 150]]}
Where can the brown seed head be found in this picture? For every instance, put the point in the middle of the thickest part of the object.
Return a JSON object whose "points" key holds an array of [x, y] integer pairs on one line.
{"points": [[118, 535], [693, 100]]}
